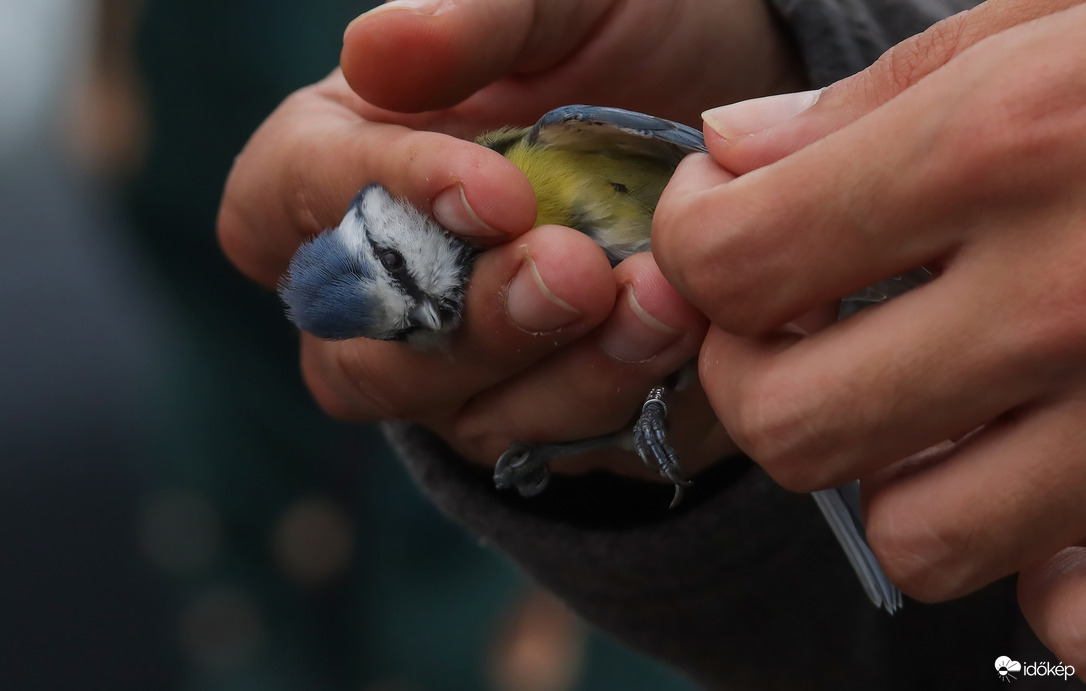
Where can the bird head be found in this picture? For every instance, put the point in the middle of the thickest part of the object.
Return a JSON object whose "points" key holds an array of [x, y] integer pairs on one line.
{"points": [[386, 272]]}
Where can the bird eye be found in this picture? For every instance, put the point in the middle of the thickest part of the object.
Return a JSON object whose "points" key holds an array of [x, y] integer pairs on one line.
{"points": [[391, 260]]}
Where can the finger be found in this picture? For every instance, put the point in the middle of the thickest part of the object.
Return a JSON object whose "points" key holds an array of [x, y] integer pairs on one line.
{"points": [[444, 51], [1052, 596], [1005, 499], [525, 300], [299, 171], [753, 258], [596, 385], [548, 53], [752, 134], [832, 218], [928, 366]]}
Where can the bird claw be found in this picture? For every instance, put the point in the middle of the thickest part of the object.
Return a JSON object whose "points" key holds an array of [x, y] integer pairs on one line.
{"points": [[652, 445], [523, 466]]}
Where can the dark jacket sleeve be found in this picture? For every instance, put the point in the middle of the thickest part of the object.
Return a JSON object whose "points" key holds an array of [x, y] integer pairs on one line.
{"points": [[742, 586], [837, 38]]}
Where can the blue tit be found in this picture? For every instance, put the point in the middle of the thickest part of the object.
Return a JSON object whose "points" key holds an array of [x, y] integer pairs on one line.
{"points": [[390, 272], [386, 272]]}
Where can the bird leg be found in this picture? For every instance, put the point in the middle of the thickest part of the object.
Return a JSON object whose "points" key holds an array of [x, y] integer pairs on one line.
{"points": [[651, 443], [524, 465]]}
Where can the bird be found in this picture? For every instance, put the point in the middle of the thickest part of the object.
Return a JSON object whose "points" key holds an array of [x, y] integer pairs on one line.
{"points": [[390, 272]]}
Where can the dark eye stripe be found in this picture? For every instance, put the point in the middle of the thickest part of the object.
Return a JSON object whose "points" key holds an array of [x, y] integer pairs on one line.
{"points": [[398, 271]]}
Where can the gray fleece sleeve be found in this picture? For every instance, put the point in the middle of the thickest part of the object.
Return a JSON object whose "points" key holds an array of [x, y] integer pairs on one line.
{"points": [[742, 586], [838, 38]]}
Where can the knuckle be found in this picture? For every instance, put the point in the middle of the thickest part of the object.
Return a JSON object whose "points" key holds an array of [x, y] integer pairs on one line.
{"points": [[721, 294], [472, 432], [670, 240], [1047, 332], [601, 403], [569, 407], [1033, 128], [470, 441], [912, 59], [307, 213], [717, 245], [237, 230], [752, 318], [774, 428], [1067, 629], [1054, 338], [331, 403], [700, 255], [920, 557], [377, 390], [326, 396], [729, 260], [230, 229]]}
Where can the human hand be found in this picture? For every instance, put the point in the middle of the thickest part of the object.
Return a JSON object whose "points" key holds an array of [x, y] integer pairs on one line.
{"points": [[517, 367], [489, 63], [961, 150]]}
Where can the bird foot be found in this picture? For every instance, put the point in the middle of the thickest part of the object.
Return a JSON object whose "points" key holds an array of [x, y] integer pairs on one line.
{"points": [[651, 442], [524, 465]]}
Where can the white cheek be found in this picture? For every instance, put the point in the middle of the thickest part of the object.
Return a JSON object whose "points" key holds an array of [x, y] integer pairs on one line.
{"points": [[394, 306], [433, 257], [352, 233], [444, 263]]}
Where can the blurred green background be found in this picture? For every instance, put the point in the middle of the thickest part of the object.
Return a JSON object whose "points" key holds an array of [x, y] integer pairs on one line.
{"points": [[175, 513]]}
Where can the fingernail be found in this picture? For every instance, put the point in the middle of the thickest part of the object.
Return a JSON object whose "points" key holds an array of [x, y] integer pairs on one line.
{"points": [[755, 115], [451, 209], [794, 329], [416, 6], [633, 335], [532, 306]]}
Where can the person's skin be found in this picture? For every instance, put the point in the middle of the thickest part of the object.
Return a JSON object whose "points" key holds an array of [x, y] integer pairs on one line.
{"points": [[517, 368], [963, 150]]}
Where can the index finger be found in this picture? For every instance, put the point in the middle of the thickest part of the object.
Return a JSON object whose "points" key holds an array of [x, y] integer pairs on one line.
{"points": [[300, 169], [525, 301]]}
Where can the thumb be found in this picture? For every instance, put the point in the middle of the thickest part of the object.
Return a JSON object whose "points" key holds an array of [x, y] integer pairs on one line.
{"points": [[748, 135], [1052, 596], [415, 55]]}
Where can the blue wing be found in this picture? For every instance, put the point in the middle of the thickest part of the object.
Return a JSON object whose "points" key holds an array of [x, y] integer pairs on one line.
{"points": [[599, 128], [883, 290], [841, 508]]}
